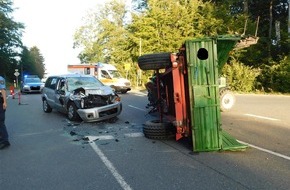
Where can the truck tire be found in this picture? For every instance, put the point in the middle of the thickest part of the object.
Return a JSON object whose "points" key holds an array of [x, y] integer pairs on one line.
{"points": [[156, 130], [154, 61], [123, 91], [227, 99]]}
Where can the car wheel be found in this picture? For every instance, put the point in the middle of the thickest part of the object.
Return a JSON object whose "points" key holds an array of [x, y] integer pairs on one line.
{"points": [[72, 113], [227, 100], [46, 107], [158, 130], [154, 61]]}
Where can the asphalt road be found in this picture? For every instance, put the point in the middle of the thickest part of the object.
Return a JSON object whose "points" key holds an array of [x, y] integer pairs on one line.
{"points": [[49, 152]]}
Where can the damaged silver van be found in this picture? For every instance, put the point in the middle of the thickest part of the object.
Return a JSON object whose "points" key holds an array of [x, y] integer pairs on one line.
{"points": [[80, 97]]}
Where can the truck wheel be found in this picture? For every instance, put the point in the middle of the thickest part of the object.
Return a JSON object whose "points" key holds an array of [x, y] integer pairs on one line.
{"points": [[72, 113], [123, 91], [227, 100], [154, 61], [156, 130], [46, 107]]}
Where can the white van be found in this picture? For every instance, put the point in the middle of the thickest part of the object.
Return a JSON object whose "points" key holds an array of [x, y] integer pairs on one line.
{"points": [[110, 76], [107, 73]]}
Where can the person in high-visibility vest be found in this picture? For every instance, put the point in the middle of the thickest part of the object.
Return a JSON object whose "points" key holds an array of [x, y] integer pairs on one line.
{"points": [[4, 143]]}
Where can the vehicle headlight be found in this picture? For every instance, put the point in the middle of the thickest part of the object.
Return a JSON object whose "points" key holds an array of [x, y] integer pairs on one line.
{"points": [[115, 99]]}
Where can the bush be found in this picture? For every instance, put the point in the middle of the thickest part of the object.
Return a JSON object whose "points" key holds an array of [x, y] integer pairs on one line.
{"points": [[282, 77], [276, 78], [239, 76]]}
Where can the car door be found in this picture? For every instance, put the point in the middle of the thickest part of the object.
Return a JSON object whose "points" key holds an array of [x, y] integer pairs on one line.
{"points": [[59, 96], [49, 91]]}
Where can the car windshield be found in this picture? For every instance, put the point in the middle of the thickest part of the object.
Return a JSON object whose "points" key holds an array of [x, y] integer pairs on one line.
{"points": [[115, 74], [32, 80], [83, 82]]}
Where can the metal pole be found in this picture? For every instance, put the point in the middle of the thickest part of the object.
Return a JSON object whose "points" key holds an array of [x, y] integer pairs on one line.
{"points": [[139, 77], [159, 101], [257, 26]]}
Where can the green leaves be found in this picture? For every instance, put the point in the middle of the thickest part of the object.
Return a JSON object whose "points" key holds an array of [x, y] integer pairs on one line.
{"points": [[32, 62], [240, 77], [116, 35], [10, 40]]}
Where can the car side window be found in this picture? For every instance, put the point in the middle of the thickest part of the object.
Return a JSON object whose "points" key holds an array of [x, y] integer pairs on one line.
{"points": [[61, 85], [47, 82], [51, 83]]}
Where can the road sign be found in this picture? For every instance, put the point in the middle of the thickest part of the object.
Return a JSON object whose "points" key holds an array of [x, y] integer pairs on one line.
{"points": [[16, 73]]}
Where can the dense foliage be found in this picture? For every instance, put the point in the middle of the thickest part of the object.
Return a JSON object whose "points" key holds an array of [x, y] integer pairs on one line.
{"points": [[116, 35], [31, 62], [239, 76], [13, 55], [10, 40], [119, 34]]}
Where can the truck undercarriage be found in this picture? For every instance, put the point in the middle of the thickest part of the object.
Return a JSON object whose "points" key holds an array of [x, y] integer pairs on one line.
{"points": [[186, 93]]}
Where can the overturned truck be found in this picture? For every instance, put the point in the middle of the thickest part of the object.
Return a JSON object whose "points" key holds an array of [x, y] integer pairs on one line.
{"points": [[188, 92]]}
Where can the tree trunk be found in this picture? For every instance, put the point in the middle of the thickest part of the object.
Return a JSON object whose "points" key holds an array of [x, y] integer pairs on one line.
{"points": [[270, 19], [246, 7], [270, 27]]}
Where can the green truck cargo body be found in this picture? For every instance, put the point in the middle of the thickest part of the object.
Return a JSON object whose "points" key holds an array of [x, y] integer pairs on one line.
{"points": [[205, 57]]}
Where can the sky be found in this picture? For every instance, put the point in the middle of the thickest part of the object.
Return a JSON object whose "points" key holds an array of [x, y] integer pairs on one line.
{"points": [[50, 26]]}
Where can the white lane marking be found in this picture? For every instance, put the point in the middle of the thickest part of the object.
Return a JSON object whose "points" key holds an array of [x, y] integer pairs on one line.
{"points": [[262, 117], [265, 150], [110, 137], [111, 167], [134, 134], [136, 108], [39, 133], [101, 137]]}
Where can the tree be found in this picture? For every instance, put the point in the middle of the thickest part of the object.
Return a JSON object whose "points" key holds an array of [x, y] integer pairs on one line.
{"points": [[104, 36], [164, 25], [168, 23], [32, 62], [270, 12], [38, 61], [10, 40]]}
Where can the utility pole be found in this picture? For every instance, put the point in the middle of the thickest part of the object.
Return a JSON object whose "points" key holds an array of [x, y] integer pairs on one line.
{"points": [[139, 72]]}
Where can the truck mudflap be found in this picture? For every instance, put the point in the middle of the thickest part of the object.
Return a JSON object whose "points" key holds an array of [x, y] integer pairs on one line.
{"points": [[230, 143]]}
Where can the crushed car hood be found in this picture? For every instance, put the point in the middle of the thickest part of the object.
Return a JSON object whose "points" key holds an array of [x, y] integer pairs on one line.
{"points": [[103, 90]]}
